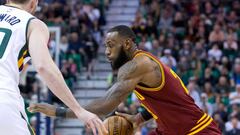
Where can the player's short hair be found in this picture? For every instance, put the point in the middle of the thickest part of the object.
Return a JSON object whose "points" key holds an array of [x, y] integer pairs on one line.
{"points": [[124, 31], [20, 1]]}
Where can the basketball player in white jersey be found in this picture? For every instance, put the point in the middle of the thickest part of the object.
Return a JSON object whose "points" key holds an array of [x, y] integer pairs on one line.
{"points": [[21, 36]]}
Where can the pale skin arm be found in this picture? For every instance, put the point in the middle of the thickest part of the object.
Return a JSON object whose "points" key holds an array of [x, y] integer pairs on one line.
{"points": [[38, 36], [38, 39]]}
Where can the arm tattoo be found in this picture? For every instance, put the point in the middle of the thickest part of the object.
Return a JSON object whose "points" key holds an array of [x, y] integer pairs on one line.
{"points": [[117, 93], [128, 69]]}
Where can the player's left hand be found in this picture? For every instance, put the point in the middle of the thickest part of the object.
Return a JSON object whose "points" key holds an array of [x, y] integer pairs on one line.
{"points": [[132, 118]]}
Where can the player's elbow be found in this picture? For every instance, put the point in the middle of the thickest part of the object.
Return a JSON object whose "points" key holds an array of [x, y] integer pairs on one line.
{"points": [[40, 68]]}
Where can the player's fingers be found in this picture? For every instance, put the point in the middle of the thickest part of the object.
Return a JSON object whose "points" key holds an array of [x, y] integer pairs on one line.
{"points": [[102, 127], [98, 127], [33, 110], [32, 107], [92, 126], [36, 108]]}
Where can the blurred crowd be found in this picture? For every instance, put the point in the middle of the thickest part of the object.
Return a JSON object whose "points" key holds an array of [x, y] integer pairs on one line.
{"points": [[198, 39]]}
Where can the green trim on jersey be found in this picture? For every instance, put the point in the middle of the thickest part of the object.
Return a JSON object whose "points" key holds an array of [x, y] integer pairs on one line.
{"points": [[29, 126], [25, 47]]}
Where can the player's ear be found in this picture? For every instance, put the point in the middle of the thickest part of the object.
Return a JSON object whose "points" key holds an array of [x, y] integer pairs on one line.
{"points": [[32, 4], [127, 44]]}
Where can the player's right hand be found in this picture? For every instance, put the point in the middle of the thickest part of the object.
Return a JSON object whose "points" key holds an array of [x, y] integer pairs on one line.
{"points": [[47, 109], [92, 122]]}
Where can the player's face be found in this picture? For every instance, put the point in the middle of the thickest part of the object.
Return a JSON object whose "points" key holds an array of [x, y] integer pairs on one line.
{"points": [[115, 51]]}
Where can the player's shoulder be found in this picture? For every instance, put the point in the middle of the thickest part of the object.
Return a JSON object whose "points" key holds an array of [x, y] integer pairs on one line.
{"points": [[142, 61], [38, 25], [138, 66]]}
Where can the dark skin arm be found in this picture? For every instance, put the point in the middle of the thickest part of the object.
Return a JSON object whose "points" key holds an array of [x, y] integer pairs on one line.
{"points": [[129, 75], [138, 70]]}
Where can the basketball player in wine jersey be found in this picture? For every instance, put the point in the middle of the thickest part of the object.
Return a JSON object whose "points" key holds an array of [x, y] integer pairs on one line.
{"points": [[158, 88]]}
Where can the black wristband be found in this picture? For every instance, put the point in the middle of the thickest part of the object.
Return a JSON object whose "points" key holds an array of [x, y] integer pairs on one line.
{"points": [[146, 115], [61, 112]]}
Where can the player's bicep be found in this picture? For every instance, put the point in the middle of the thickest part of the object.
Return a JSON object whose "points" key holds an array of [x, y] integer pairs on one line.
{"points": [[119, 91], [38, 36]]}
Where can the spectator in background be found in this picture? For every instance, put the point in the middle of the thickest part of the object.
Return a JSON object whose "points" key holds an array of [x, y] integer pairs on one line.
{"points": [[222, 111], [179, 23], [151, 28], [233, 127], [74, 43], [235, 111], [232, 19], [165, 21], [201, 53], [184, 69], [156, 49], [194, 94], [186, 49], [222, 87], [235, 96], [63, 46], [204, 105], [217, 35], [168, 59], [235, 76], [230, 48], [215, 53], [91, 49], [208, 89], [218, 120]]}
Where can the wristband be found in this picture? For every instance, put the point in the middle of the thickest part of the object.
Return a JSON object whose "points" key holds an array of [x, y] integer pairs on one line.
{"points": [[146, 115], [61, 112]]}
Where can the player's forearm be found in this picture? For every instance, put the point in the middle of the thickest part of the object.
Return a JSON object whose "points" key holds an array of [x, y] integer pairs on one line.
{"points": [[54, 80], [100, 107], [106, 104], [94, 107]]}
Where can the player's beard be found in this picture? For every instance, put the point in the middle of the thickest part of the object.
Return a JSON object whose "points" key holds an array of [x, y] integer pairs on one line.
{"points": [[120, 60]]}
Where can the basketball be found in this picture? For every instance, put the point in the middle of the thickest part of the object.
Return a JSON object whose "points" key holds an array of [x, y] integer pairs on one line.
{"points": [[117, 125]]}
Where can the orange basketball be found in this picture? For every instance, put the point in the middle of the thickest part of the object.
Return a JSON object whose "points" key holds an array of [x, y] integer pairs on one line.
{"points": [[117, 125]]}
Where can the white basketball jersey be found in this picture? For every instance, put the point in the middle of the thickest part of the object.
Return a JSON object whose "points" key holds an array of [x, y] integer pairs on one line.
{"points": [[13, 46]]}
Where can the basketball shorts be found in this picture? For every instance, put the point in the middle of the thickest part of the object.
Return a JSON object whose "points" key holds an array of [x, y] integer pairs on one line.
{"points": [[13, 118]]}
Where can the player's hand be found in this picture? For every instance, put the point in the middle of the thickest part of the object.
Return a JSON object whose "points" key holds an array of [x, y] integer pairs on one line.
{"points": [[47, 109], [92, 122], [132, 118]]}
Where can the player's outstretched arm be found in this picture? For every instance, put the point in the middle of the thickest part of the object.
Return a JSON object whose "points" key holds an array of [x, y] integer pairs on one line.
{"points": [[129, 75], [38, 36]]}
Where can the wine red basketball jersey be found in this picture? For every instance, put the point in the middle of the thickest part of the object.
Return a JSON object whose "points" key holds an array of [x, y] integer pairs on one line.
{"points": [[170, 103]]}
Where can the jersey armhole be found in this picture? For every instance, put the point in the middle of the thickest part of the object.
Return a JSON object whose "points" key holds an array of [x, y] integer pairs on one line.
{"points": [[161, 70], [26, 34]]}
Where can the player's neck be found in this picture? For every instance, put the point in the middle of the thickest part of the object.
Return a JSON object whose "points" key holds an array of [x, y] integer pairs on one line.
{"points": [[132, 53], [16, 6]]}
